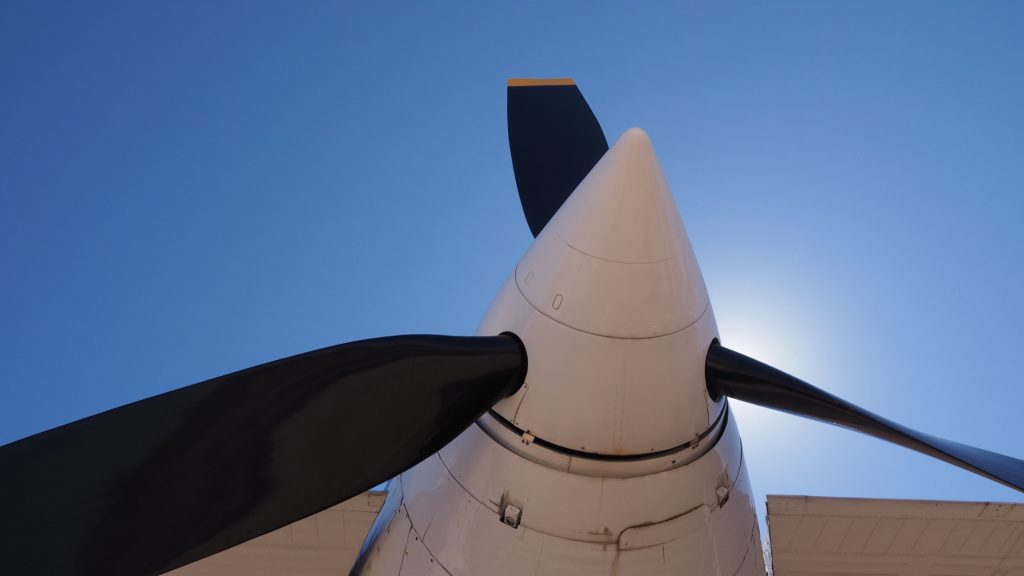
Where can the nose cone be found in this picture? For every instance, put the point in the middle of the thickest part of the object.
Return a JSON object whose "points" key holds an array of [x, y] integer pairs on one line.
{"points": [[615, 259], [623, 210], [612, 308]]}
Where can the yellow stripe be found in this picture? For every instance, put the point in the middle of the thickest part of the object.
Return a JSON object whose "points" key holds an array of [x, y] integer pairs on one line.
{"points": [[541, 82]]}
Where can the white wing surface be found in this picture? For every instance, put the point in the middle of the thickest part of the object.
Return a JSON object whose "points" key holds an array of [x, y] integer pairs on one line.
{"points": [[323, 544], [846, 536]]}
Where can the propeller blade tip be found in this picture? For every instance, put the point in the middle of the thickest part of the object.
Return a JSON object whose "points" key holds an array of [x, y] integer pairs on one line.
{"points": [[525, 82]]}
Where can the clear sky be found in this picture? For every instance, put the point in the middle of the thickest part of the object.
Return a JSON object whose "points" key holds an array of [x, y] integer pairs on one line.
{"points": [[190, 189]]}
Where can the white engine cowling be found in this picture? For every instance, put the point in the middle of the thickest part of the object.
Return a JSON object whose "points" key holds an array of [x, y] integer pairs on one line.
{"points": [[612, 458]]}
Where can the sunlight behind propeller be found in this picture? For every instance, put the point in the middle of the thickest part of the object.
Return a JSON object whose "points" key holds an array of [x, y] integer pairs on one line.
{"points": [[738, 376]]}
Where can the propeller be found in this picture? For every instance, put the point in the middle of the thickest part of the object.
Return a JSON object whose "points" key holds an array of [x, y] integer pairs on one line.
{"points": [[555, 140], [732, 374], [163, 482], [157, 484]]}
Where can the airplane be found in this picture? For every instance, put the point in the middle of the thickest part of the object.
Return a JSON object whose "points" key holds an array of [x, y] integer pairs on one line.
{"points": [[585, 429]]}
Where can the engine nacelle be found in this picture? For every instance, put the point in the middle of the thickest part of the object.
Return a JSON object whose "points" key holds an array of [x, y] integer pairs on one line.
{"points": [[479, 508], [612, 458]]}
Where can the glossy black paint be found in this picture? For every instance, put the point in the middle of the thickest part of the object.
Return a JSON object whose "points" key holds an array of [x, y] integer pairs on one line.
{"points": [[159, 483], [737, 376], [555, 140]]}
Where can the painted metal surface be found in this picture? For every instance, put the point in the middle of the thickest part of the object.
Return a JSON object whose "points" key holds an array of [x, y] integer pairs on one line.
{"points": [[857, 536], [624, 352], [383, 552], [663, 523], [614, 459], [325, 544], [554, 139], [617, 252]]}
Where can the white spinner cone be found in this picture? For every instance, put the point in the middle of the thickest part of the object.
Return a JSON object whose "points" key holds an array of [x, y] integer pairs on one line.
{"points": [[617, 314]]}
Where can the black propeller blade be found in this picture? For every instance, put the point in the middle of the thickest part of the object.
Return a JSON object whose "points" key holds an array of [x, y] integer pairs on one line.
{"points": [[737, 376], [163, 482], [555, 140]]}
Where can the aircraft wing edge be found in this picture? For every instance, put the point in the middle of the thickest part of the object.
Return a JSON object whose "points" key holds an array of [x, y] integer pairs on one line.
{"points": [[858, 536], [324, 544]]}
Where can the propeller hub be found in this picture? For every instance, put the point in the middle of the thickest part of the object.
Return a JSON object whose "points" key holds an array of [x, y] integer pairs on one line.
{"points": [[613, 310]]}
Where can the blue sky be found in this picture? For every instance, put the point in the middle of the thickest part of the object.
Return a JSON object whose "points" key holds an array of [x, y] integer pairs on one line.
{"points": [[190, 189]]}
